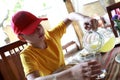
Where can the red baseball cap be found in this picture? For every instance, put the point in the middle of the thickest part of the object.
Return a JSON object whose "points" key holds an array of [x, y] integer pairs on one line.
{"points": [[24, 22]]}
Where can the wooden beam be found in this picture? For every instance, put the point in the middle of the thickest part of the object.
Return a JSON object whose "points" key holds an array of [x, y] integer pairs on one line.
{"points": [[75, 24]]}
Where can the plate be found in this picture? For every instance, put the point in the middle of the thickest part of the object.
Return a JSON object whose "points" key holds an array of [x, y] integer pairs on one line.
{"points": [[117, 58]]}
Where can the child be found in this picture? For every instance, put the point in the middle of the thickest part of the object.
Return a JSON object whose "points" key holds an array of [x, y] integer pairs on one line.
{"points": [[44, 55]]}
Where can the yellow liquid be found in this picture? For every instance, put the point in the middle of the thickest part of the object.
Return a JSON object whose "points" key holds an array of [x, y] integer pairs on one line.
{"points": [[109, 45], [94, 46]]}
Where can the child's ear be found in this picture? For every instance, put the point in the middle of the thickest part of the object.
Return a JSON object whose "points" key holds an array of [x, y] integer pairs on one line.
{"points": [[21, 38]]}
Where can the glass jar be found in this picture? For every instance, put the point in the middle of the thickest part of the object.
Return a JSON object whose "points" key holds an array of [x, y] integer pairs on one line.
{"points": [[92, 41]]}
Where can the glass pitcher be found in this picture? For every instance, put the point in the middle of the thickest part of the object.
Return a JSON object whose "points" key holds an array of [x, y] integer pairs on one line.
{"points": [[101, 40]]}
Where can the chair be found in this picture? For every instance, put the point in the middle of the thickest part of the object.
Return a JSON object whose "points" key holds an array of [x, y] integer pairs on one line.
{"points": [[70, 48], [111, 10], [10, 63]]}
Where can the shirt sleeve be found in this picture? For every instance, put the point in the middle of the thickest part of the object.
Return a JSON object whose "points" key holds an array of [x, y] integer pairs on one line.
{"points": [[59, 30]]}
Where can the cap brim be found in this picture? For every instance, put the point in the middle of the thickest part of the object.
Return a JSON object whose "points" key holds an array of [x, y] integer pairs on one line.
{"points": [[31, 28]]}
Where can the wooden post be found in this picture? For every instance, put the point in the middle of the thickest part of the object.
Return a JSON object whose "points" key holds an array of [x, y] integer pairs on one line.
{"points": [[75, 24]]}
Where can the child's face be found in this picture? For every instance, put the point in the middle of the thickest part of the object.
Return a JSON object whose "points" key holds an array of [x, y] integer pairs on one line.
{"points": [[36, 36]]}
